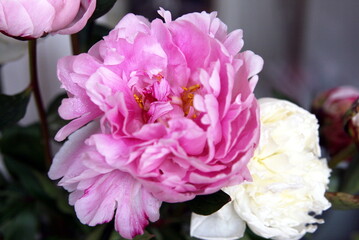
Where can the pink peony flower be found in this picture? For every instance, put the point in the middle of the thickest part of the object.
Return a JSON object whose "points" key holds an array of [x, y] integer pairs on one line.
{"points": [[173, 116], [330, 108], [34, 18]]}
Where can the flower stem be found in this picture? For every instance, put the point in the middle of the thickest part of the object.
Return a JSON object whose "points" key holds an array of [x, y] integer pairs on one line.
{"points": [[34, 85], [342, 155], [75, 44]]}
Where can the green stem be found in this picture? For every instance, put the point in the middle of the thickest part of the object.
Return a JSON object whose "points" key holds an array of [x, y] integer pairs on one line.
{"points": [[75, 44], [342, 155], [34, 85]]}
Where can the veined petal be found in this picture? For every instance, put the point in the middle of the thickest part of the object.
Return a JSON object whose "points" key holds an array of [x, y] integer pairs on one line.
{"points": [[69, 154], [118, 191]]}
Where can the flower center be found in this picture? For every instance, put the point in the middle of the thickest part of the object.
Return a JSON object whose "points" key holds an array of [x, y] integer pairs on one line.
{"points": [[139, 101], [157, 96], [187, 97]]}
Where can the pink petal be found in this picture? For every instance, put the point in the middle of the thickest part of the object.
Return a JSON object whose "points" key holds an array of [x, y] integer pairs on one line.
{"points": [[130, 25], [69, 128], [252, 65], [118, 190], [71, 108], [158, 109], [190, 137], [70, 152], [167, 16], [234, 42], [177, 71], [66, 11], [193, 39], [86, 10], [115, 151], [151, 131], [64, 73]]}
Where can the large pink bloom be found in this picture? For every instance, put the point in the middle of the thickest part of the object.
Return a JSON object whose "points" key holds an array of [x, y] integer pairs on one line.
{"points": [[175, 111], [35, 18]]}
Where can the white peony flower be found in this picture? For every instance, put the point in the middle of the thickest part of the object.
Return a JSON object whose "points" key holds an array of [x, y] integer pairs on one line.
{"points": [[289, 179]]}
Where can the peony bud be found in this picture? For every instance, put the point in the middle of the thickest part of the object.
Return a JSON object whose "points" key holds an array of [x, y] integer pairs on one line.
{"points": [[330, 108], [29, 19]]}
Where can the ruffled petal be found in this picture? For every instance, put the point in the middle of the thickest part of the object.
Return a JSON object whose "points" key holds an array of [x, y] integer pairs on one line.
{"points": [[118, 191], [65, 131], [70, 153]]}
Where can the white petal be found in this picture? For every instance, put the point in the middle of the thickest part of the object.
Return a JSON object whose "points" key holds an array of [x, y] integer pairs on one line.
{"points": [[222, 225]]}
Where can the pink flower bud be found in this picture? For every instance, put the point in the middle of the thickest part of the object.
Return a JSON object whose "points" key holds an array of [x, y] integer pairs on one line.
{"points": [[330, 108], [28, 19]]}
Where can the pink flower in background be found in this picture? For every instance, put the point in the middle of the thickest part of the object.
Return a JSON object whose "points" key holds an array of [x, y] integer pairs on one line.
{"points": [[34, 18], [330, 108], [173, 113]]}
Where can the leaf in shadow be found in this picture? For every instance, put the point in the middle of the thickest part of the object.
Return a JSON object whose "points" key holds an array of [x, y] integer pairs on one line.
{"points": [[13, 107], [208, 204]]}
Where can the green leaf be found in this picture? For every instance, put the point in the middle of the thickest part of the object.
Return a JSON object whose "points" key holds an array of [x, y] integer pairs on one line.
{"points": [[145, 236], [96, 233], [102, 7], [97, 33], [342, 201], [350, 183], [13, 201], [13, 107], [208, 204], [26, 178], [22, 227], [91, 34], [24, 145], [38, 186], [54, 192]]}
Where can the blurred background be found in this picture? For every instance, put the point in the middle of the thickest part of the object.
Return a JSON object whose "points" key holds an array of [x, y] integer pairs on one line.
{"points": [[308, 46]]}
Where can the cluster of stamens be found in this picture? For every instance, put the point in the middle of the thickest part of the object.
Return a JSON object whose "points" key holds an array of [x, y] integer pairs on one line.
{"points": [[139, 101], [185, 100]]}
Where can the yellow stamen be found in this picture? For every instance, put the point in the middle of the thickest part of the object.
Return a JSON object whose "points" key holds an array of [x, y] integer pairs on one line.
{"points": [[139, 100], [187, 98], [194, 87], [159, 76]]}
